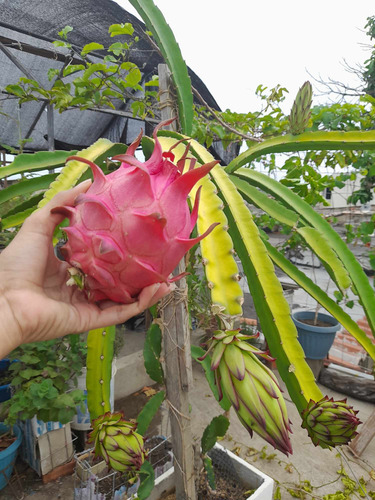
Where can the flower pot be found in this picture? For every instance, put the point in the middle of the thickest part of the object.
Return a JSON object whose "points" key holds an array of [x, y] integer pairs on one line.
{"points": [[315, 340], [9, 455], [5, 392], [250, 477]]}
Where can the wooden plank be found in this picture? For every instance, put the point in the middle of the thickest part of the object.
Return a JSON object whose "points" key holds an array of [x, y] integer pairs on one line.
{"points": [[366, 434], [176, 338]]}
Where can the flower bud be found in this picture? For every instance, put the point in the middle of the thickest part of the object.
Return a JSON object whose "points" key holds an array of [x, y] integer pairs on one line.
{"points": [[251, 387], [117, 442], [330, 423]]}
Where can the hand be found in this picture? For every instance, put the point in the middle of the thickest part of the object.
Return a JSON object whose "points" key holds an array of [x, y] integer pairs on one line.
{"points": [[35, 302]]}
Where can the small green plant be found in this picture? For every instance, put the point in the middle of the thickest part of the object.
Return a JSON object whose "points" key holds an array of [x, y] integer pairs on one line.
{"points": [[43, 377]]}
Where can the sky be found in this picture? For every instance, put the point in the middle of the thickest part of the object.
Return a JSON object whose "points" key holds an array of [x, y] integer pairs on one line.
{"points": [[235, 46]]}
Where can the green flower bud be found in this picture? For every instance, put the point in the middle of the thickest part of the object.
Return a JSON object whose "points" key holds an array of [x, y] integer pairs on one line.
{"points": [[301, 110], [117, 442], [251, 387], [330, 423]]}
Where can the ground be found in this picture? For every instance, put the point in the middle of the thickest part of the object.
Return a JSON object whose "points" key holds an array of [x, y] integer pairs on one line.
{"points": [[308, 463]]}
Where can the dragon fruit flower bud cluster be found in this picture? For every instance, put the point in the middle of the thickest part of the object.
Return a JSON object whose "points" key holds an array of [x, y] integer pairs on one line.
{"points": [[250, 386], [132, 226], [116, 440], [330, 423]]}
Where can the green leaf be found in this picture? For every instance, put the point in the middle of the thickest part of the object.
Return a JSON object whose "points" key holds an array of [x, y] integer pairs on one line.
{"points": [[15, 90], [52, 72], [93, 68], [121, 29], [73, 68], [133, 77], [149, 411], [151, 353], [168, 46], [29, 359], [64, 32], [65, 415], [89, 47], [198, 352], [216, 428], [29, 373], [147, 478]]}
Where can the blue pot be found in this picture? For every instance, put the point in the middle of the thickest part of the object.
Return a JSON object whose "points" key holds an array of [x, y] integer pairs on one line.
{"points": [[315, 340], [9, 455], [5, 393]]}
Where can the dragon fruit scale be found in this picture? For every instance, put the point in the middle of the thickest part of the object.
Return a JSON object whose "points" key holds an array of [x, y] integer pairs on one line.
{"points": [[132, 226]]}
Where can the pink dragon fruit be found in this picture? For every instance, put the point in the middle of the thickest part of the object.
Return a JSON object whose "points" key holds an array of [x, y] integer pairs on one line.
{"points": [[132, 226]]}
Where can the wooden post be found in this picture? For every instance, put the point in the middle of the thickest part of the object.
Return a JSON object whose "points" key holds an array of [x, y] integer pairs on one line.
{"points": [[366, 434], [176, 338], [50, 128]]}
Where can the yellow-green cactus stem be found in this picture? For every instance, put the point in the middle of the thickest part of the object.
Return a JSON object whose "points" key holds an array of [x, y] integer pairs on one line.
{"points": [[99, 370]]}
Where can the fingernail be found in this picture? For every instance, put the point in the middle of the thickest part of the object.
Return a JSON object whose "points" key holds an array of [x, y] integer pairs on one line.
{"points": [[85, 183], [156, 287]]}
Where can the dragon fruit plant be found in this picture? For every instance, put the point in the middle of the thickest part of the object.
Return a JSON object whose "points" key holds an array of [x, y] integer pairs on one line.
{"points": [[132, 227], [112, 258]]}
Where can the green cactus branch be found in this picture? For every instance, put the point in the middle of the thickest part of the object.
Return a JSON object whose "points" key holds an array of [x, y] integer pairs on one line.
{"points": [[267, 293], [308, 141], [27, 186], [217, 248], [99, 370], [320, 296], [313, 238], [27, 162], [359, 279], [73, 170], [170, 49]]}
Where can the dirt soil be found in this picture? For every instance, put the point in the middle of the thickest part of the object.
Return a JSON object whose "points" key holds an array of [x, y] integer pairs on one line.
{"points": [[133, 404], [6, 440], [320, 323], [224, 491]]}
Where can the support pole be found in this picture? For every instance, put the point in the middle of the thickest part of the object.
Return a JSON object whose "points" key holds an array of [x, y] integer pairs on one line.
{"points": [[50, 128], [176, 338]]}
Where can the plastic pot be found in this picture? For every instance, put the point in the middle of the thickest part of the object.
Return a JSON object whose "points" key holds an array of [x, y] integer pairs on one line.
{"points": [[315, 340], [9, 455]]}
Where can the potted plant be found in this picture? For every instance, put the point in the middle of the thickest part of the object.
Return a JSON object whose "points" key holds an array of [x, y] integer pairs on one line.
{"points": [[10, 441], [44, 401], [5, 378], [316, 332]]}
